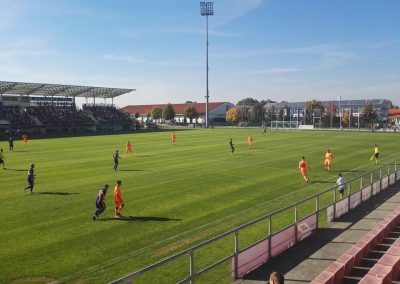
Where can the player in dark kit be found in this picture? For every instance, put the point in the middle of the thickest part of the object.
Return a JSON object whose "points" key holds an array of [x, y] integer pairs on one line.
{"points": [[30, 178], [232, 147], [100, 202], [116, 157], [11, 143]]}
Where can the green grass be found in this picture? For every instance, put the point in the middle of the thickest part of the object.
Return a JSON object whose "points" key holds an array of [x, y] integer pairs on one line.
{"points": [[177, 195]]}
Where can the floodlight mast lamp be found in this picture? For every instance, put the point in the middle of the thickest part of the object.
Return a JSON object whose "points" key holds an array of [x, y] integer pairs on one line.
{"points": [[207, 9]]}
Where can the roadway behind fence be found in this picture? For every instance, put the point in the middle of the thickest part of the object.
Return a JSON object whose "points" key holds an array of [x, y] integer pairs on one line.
{"points": [[241, 250]]}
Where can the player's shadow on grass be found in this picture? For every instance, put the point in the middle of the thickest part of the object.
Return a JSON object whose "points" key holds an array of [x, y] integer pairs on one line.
{"points": [[20, 151], [15, 170], [141, 219], [348, 171], [55, 193], [132, 170]]}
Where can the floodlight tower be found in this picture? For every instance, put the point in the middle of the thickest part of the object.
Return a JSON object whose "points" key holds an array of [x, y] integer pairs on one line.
{"points": [[207, 9]]}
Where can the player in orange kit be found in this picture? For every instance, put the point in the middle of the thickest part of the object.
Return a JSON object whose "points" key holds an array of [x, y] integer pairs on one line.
{"points": [[173, 138], [119, 203], [128, 148], [25, 139], [328, 160], [250, 141], [303, 167]]}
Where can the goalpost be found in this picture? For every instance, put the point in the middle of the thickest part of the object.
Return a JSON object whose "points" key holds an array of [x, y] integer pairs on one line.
{"points": [[285, 124]]}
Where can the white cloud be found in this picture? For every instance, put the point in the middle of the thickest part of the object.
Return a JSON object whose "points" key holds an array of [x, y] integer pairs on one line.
{"points": [[274, 71], [230, 10]]}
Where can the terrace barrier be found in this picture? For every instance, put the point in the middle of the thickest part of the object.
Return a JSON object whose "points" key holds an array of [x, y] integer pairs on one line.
{"points": [[245, 258]]}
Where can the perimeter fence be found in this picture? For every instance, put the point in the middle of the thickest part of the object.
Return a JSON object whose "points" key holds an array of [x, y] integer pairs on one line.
{"points": [[242, 249]]}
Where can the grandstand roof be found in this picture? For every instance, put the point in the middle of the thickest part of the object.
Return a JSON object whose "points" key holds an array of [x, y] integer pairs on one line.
{"points": [[40, 89]]}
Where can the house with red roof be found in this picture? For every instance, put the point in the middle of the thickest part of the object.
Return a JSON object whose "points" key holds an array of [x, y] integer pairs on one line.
{"points": [[394, 115], [216, 110]]}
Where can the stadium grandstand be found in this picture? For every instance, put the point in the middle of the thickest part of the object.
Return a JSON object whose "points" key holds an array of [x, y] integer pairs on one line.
{"points": [[38, 108]]}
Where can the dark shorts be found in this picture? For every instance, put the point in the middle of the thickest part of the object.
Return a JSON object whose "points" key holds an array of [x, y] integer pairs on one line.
{"points": [[376, 155], [341, 190], [100, 205], [1, 161], [31, 181]]}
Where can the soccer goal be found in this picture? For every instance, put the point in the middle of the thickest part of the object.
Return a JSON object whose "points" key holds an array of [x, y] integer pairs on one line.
{"points": [[285, 124]]}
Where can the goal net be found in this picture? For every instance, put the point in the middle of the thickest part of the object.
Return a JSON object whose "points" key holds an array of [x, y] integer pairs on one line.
{"points": [[285, 124]]}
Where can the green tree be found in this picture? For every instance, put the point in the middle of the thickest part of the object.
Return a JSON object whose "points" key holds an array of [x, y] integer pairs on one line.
{"points": [[280, 114], [271, 113], [247, 102], [157, 112], [137, 114], [368, 112], [257, 112], [169, 112], [148, 114], [315, 107], [191, 113]]}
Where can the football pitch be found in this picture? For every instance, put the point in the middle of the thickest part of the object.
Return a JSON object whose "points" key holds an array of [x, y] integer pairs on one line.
{"points": [[175, 195]]}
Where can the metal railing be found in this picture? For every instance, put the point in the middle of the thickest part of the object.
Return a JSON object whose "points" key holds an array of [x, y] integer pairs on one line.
{"points": [[322, 201]]}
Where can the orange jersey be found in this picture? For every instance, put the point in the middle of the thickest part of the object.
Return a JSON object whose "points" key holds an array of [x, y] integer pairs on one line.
{"points": [[173, 137], [250, 140], [128, 146], [118, 195], [24, 137], [328, 156], [303, 165]]}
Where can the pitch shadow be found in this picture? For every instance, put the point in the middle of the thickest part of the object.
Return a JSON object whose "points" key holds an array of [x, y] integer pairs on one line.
{"points": [[321, 181], [140, 219], [54, 193], [15, 170], [128, 170], [348, 171]]}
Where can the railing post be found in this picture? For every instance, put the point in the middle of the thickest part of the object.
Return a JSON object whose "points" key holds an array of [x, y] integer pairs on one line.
{"points": [[236, 255], [380, 173], [269, 237], [361, 183], [334, 203], [317, 209], [191, 267], [295, 223], [372, 179], [388, 169], [348, 197]]}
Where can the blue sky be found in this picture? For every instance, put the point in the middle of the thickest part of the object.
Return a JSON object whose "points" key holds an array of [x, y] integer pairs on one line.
{"points": [[292, 50]]}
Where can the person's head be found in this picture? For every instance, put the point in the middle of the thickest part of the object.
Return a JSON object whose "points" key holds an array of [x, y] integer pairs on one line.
{"points": [[375, 145], [340, 175], [32, 166], [129, 142], [116, 151], [119, 182], [328, 151], [276, 278], [106, 186], [303, 158]]}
